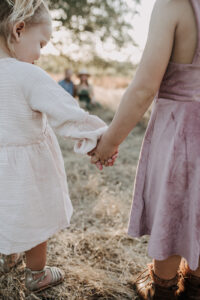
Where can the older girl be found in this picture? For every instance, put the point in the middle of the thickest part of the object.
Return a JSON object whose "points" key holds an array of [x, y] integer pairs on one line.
{"points": [[166, 202]]}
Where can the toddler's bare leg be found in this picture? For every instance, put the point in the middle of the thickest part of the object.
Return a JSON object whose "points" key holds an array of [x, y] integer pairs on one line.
{"points": [[36, 257], [167, 269], [38, 275]]}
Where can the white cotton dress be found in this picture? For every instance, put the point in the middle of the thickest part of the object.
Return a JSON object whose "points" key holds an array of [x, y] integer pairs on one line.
{"points": [[34, 198]]}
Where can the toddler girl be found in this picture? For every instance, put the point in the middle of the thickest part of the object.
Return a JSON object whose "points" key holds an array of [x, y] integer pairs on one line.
{"points": [[34, 198], [166, 202]]}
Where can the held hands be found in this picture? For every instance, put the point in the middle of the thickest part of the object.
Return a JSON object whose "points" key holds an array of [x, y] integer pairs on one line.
{"points": [[104, 154], [99, 164]]}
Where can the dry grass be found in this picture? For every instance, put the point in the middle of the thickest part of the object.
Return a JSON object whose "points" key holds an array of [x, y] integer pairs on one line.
{"points": [[99, 259]]}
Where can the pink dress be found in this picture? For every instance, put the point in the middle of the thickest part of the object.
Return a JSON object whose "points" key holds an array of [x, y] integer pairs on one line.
{"points": [[166, 203], [34, 197]]}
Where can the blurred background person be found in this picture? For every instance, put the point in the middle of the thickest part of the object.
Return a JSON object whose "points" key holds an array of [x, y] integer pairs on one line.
{"points": [[67, 83], [84, 90]]}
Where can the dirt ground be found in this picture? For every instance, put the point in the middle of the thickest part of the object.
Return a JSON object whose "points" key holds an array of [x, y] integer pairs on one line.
{"points": [[99, 259]]}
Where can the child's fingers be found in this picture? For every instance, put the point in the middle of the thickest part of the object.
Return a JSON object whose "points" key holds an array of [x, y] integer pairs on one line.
{"points": [[91, 152], [94, 159], [110, 160], [112, 163], [115, 155], [99, 165], [106, 164]]}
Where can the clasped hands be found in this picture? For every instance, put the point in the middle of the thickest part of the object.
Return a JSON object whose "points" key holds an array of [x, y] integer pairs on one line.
{"points": [[104, 154]]}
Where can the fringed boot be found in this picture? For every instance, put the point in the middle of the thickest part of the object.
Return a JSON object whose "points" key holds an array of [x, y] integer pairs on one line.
{"points": [[151, 287], [191, 285]]}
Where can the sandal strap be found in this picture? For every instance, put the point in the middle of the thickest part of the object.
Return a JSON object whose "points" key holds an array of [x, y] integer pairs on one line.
{"points": [[34, 284], [56, 273], [7, 262]]}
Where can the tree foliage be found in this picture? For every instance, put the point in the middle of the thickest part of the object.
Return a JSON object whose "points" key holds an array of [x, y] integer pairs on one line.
{"points": [[106, 19]]}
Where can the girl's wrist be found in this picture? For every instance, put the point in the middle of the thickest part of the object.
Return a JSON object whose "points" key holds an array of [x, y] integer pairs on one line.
{"points": [[109, 139]]}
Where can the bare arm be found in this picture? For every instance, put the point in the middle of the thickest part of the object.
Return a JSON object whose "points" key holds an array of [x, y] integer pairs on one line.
{"points": [[146, 83]]}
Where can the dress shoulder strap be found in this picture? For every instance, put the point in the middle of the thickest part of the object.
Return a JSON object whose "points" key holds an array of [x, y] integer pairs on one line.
{"points": [[196, 8]]}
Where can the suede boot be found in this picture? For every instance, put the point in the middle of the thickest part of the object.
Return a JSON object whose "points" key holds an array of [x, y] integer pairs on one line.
{"points": [[191, 285], [151, 287]]}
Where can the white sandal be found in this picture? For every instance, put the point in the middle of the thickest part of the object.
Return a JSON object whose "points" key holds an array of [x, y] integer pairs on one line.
{"points": [[37, 284], [8, 262]]}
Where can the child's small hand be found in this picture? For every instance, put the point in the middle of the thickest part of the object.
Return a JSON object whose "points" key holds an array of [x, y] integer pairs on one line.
{"points": [[104, 151], [104, 154], [109, 163]]}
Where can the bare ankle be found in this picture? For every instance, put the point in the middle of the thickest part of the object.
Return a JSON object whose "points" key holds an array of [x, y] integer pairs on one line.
{"points": [[165, 282], [36, 257], [35, 267], [166, 277], [167, 269]]}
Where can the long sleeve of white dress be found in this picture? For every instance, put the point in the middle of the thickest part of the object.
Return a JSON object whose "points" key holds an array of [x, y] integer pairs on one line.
{"points": [[62, 110], [34, 195]]}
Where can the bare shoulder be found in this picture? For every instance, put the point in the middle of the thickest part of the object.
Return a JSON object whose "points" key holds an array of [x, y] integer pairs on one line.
{"points": [[175, 7], [171, 3], [167, 31], [164, 20], [168, 8], [167, 15]]}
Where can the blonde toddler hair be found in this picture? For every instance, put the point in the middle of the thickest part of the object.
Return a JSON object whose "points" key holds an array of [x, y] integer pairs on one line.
{"points": [[31, 12]]}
